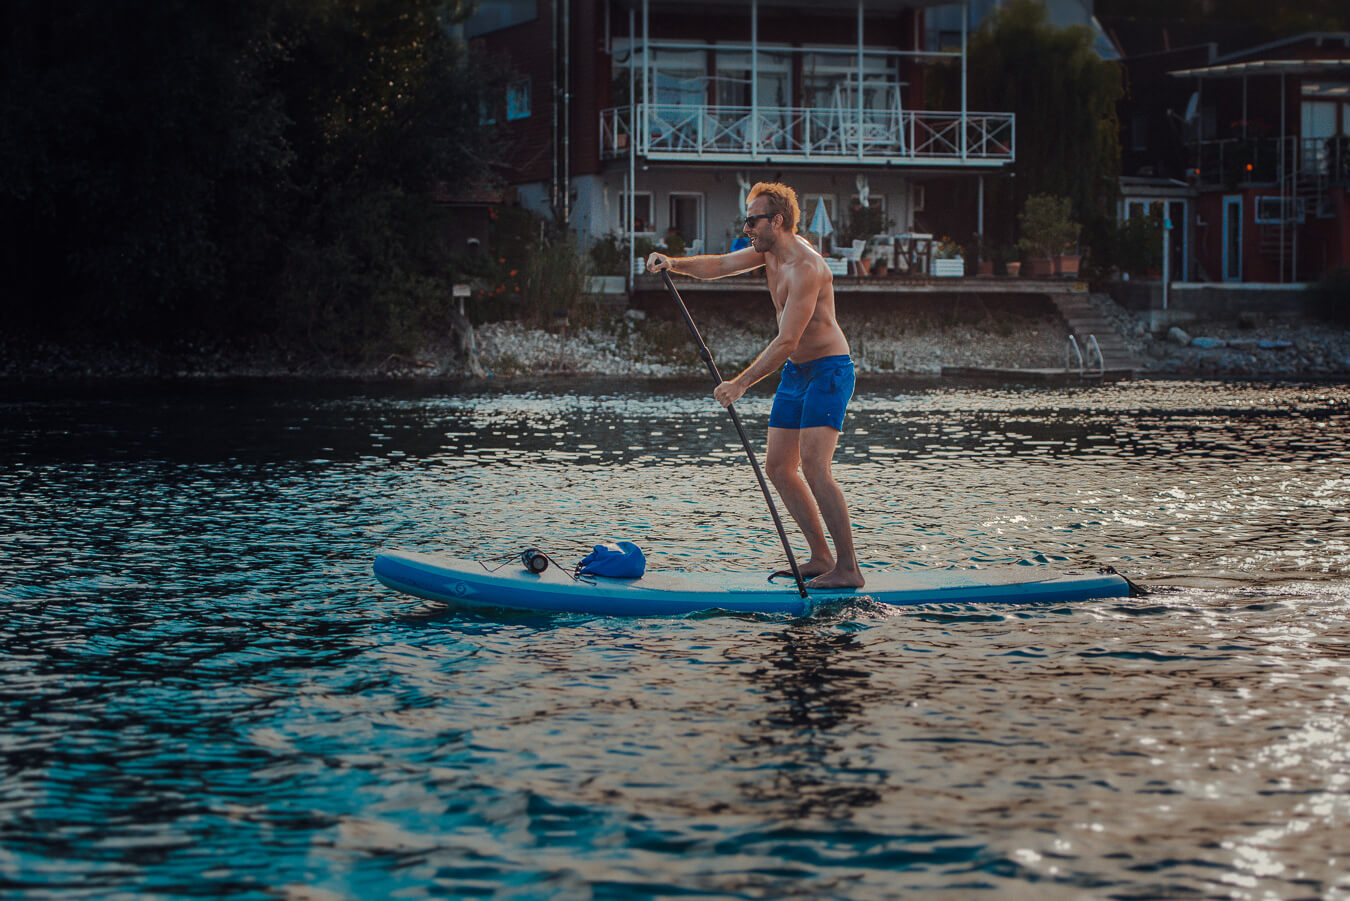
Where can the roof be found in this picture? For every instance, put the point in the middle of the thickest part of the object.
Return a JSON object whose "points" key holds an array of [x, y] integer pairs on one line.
{"points": [[870, 6], [1266, 67], [1315, 38]]}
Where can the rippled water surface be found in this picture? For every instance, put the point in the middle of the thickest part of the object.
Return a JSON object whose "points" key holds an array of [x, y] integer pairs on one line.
{"points": [[205, 693]]}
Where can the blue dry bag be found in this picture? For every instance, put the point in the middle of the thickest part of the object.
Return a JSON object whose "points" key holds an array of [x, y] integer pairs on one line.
{"points": [[615, 560]]}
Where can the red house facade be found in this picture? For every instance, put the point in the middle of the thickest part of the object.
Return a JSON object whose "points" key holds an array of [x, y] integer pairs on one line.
{"points": [[646, 118], [1268, 141]]}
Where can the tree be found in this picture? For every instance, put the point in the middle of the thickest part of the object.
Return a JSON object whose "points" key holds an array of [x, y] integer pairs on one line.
{"points": [[260, 167], [1064, 97]]}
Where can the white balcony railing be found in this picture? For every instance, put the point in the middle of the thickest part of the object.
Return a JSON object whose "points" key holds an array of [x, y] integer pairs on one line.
{"points": [[807, 134]]}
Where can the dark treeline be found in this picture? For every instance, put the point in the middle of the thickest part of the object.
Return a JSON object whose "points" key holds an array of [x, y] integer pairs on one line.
{"points": [[237, 171]]}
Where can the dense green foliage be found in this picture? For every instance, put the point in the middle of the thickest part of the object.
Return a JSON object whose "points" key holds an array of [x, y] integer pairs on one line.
{"points": [[257, 168], [1064, 96], [1047, 227]]}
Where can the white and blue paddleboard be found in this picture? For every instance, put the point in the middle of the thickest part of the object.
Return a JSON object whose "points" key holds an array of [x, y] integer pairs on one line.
{"points": [[467, 583]]}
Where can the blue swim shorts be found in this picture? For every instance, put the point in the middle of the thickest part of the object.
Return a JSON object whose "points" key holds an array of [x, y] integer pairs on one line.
{"points": [[813, 394]]}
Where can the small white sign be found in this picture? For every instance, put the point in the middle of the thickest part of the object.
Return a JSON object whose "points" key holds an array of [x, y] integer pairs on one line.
{"points": [[461, 291]]}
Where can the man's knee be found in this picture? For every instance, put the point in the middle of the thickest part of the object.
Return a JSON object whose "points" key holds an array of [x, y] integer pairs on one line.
{"points": [[780, 470], [817, 473]]}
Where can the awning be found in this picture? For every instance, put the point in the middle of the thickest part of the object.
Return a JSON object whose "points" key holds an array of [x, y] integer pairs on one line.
{"points": [[1266, 67]]}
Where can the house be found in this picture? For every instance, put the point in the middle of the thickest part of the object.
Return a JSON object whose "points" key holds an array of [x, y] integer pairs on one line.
{"points": [[641, 118], [1245, 153]]}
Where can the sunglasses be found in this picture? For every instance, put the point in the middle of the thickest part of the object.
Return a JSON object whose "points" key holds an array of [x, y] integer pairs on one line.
{"points": [[750, 220]]}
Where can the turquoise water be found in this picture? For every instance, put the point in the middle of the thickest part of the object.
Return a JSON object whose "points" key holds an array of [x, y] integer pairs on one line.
{"points": [[205, 693]]}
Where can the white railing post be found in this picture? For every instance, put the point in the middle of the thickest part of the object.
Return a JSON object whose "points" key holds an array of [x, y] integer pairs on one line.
{"points": [[754, 79]]}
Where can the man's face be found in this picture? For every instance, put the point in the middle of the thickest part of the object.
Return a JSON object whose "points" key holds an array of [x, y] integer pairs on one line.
{"points": [[759, 224]]}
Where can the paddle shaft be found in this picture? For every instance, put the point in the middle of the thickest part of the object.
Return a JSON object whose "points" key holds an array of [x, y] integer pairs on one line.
{"points": [[740, 430]]}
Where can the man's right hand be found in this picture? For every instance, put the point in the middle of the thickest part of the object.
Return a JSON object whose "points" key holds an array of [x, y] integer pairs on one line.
{"points": [[657, 262]]}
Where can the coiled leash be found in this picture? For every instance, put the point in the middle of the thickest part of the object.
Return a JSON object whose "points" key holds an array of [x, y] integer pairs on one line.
{"points": [[534, 560]]}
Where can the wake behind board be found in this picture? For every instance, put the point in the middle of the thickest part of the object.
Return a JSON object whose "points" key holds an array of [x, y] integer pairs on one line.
{"points": [[466, 583]]}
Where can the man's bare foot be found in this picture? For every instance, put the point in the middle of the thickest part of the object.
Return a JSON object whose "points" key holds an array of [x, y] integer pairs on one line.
{"points": [[810, 569], [838, 578]]}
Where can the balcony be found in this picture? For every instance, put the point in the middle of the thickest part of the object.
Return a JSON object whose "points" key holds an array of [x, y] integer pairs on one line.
{"points": [[820, 135]]}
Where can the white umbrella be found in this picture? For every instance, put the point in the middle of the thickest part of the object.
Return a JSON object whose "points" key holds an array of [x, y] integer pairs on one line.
{"points": [[820, 222]]}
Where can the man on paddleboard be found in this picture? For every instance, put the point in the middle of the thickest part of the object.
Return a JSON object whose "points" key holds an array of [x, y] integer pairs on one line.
{"points": [[817, 380]]}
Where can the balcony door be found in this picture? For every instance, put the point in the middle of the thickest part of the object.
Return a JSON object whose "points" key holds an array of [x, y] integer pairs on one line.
{"points": [[829, 89], [773, 93]]}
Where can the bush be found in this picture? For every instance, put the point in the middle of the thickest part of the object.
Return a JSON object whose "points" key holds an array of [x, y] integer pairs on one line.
{"points": [[553, 281], [1047, 226], [608, 255], [1139, 245]]}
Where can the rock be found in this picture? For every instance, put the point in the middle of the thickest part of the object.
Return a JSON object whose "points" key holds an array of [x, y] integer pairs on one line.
{"points": [[1247, 320], [1207, 343], [1178, 337], [1274, 345], [635, 315]]}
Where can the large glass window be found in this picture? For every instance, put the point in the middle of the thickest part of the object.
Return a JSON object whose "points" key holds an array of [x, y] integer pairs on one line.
{"points": [[680, 77], [774, 88]]}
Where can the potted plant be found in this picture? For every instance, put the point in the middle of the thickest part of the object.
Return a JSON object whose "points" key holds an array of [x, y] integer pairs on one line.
{"points": [[1046, 226], [986, 265], [1068, 260], [1012, 263], [948, 259]]}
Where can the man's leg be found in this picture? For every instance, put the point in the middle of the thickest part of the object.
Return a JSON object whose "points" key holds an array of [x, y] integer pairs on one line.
{"points": [[816, 447], [782, 462]]}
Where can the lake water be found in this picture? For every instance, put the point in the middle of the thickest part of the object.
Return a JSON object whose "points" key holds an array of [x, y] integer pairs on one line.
{"points": [[205, 692]]}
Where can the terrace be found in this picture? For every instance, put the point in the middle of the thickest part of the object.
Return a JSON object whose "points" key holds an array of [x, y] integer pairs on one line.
{"points": [[735, 134], [781, 101]]}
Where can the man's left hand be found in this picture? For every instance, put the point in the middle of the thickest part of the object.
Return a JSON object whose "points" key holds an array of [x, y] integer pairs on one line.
{"points": [[727, 393]]}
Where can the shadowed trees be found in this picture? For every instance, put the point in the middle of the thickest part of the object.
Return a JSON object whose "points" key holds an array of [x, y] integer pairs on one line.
{"points": [[175, 169]]}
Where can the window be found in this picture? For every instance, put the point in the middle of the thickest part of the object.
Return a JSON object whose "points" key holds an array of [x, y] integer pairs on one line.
{"points": [[518, 99], [642, 213], [919, 196], [1139, 132]]}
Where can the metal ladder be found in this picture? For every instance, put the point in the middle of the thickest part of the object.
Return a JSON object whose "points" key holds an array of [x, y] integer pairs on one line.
{"points": [[1072, 353]]}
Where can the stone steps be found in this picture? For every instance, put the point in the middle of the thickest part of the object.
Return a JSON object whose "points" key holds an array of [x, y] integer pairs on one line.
{"points": [[1084, 319]]}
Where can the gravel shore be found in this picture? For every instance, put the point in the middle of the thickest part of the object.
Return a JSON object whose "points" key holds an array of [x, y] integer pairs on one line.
{"points": [[632, 344]]}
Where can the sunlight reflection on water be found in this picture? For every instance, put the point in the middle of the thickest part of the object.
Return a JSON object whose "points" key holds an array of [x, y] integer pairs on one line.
{"points": [[205, 692]]}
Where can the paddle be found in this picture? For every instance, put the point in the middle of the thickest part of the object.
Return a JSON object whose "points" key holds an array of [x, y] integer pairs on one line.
{"points": [[745, 442]]}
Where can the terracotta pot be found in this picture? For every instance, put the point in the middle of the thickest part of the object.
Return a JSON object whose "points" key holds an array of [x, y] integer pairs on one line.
{"points": [[986, 267], [1013, 267], [1067, 265], [1039, 268]]}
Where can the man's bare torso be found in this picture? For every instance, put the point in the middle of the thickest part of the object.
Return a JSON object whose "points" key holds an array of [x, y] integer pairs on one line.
{"points": [[822, 336]]}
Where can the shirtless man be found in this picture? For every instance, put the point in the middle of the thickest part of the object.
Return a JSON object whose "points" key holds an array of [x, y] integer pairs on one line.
{"points": [[817, 381]]}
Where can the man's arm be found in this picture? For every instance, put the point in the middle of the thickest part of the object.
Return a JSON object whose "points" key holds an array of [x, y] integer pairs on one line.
{"points": [[708, 266], [797, 313]]}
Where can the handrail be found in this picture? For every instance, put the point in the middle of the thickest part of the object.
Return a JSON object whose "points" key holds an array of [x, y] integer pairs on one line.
{"points": [[1095, 350], [824, 133], [1071, 351]]}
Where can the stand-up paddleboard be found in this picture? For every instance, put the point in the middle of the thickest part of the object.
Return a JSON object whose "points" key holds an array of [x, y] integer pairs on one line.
{"points": [[467, 583]]}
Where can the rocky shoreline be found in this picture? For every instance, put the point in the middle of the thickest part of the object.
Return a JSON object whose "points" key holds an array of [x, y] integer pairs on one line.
{"points": [[632, 345]]}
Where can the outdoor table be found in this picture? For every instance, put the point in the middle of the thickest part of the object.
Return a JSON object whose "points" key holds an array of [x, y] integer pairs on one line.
{"points": [[915, 251]]}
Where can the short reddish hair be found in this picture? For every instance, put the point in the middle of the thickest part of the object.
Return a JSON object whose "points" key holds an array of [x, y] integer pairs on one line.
{"points": [[781, 199]]}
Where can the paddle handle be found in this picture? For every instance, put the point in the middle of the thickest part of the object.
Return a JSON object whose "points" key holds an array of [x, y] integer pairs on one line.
{"points": [[707, 357]]}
